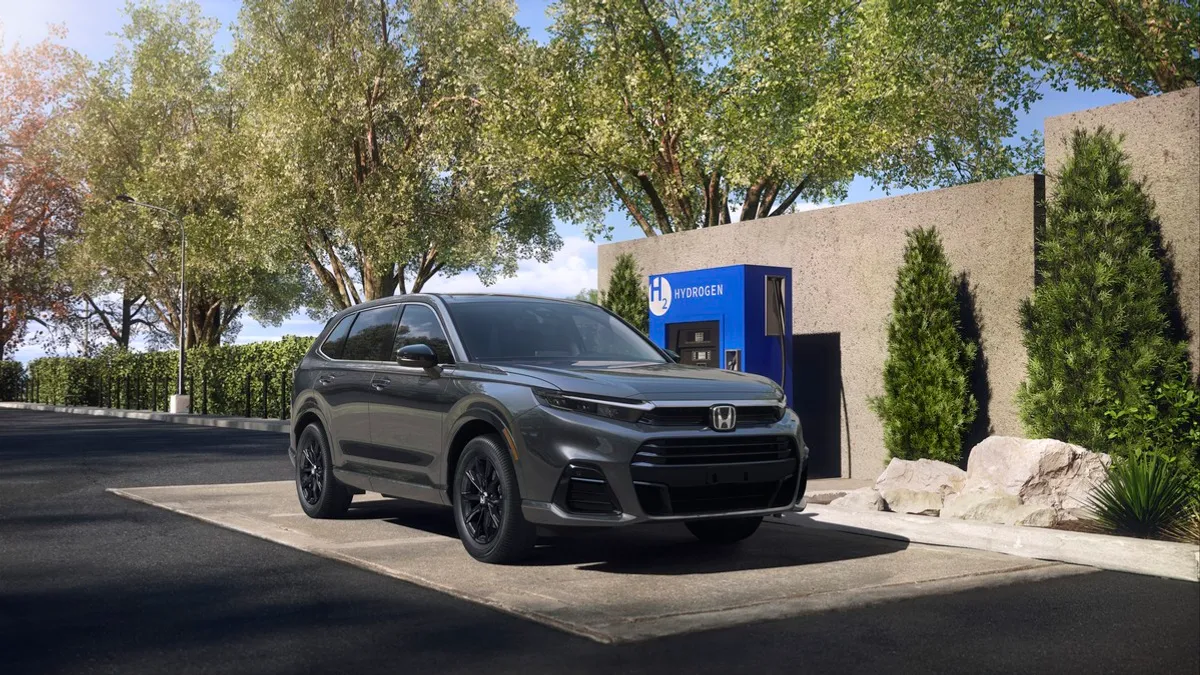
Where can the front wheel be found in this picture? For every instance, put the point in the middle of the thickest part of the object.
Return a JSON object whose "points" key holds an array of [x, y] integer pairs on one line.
{"points": [[724, 530], [487, 504]]}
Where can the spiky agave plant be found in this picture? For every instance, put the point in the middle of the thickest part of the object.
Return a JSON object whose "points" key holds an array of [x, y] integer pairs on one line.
{"points": [[1145, 494]]}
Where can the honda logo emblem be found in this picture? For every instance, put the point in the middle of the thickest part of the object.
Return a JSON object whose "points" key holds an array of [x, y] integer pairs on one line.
{"points": [[724, 417]]}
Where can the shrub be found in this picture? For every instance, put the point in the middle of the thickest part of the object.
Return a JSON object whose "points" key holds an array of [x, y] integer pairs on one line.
{"points": [[1107, 369], [216, 376], [626, 297], [927, 407], [12, 380], [1145, 494]]}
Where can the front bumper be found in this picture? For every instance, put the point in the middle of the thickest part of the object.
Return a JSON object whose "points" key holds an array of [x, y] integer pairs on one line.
{"points": [[642, 480]]}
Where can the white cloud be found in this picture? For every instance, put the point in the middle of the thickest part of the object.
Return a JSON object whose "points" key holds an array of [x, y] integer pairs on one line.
{"points": [[572, 269]]}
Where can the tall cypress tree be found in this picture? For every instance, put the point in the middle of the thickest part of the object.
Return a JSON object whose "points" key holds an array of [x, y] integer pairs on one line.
{"points": [[1098, 328], [927, 407], [626, 297]]}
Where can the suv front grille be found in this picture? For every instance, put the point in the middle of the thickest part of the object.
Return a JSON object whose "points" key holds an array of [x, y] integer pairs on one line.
{"points": [[686, 476], [698, 416], [712, 450]]}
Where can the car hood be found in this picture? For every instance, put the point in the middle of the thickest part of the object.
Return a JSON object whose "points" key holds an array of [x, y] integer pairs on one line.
{"points": [[654, 381]]}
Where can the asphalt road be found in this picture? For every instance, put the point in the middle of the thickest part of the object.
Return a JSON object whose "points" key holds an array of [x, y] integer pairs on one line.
{"points": [[90, 582]]}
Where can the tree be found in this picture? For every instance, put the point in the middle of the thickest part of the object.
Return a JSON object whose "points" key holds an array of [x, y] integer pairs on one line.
{"points": [[927, 407], [1139, 48], [679, 111], [626, 296], [38, 201], [382, 139], [1098, 328], [588, 295], [161, 122]]}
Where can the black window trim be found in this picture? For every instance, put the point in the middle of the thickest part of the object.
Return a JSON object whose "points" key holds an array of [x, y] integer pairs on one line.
{"points": [[400, 317]]}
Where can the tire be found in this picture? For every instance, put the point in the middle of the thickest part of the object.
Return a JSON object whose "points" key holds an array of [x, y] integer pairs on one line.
{"points": [[321, 494], [724, 531], [487, 504]]}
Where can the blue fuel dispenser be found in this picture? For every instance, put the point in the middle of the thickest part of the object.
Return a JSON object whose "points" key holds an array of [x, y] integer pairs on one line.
{"points": [[737, 318]]}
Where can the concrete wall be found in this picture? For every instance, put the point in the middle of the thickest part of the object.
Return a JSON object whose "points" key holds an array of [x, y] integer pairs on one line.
{"points": [[1162, 140], [844, 261]]}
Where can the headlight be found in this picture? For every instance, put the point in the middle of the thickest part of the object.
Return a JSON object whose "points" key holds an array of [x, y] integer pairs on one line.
{"points": [[625, 411]]}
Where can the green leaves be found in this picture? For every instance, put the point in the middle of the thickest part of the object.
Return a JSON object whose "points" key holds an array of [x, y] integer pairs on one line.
{"points": [[386, 144], [1145, 494], [626, 297], [679, 111], [1107, 368], [927, 407]]}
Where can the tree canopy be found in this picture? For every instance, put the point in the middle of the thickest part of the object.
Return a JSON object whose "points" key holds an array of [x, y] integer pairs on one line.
{"points": [[38, 200], [681, 110], [161, 123], [382, 135]]}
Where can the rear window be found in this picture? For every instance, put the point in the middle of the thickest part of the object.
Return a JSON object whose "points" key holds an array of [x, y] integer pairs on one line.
{"points": [[336, 342], [371, 336]]}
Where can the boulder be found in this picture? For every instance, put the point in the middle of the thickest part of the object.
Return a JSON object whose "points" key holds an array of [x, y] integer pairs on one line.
{"points": [[1041, 472], [922, 475], [999, 508], [862, 499], [919, 486], [903, 500]]}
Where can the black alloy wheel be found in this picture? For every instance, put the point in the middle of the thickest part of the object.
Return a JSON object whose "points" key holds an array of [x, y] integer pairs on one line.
{"points": [[481, 500], [487, 503], [321, 494], [312, 473]]}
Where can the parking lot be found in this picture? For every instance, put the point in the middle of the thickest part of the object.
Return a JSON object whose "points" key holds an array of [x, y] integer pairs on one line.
{"points": [[99, 582]]}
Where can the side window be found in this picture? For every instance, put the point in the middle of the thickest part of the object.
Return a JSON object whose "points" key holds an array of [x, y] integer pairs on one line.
{"points": [[333, 345], [372, 334], [419, 326]]}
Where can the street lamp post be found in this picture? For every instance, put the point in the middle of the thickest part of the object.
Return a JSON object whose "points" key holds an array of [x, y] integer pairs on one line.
{"points": [[180, 403]]}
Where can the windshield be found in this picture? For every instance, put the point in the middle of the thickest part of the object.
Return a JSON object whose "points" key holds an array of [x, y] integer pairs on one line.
{"points": [[544, 330]]}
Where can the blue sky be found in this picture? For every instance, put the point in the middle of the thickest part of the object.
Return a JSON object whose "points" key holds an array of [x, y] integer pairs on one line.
{"points": [[92, 23]]}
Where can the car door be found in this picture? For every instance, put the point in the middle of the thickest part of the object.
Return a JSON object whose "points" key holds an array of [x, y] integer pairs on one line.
{"points": [[409, 411], [347, 388]]}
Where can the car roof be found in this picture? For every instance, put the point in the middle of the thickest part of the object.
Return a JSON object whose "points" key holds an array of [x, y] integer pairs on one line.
{"points": [[451, 298]]}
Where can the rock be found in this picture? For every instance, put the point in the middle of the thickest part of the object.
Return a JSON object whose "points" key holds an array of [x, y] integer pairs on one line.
{"points": [[919, 486], [903, 500], [862, 499], [1043, 472], [922, 475], [825, 497], [999, 508]]}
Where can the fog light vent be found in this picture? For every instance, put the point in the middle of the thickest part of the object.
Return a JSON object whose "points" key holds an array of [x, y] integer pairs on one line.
{"points": [[586, 491]]}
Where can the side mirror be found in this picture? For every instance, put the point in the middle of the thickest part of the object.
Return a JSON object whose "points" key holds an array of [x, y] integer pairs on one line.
{"points": [[416, 356], [674, 356]]}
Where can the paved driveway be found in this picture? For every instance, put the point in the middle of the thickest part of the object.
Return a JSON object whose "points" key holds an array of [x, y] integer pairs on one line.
{"points": [[91, 582]]}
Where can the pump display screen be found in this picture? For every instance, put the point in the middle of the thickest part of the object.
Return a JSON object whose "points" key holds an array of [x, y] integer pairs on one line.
{"points": [[696, 343]]}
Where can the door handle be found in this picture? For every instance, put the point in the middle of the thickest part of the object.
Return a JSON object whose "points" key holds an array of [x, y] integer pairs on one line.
{"points": [[380, 383], [326, 379]]}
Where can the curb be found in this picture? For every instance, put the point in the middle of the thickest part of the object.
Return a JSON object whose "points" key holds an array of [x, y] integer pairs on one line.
{"points": [[1167, 559], [245, 423]]}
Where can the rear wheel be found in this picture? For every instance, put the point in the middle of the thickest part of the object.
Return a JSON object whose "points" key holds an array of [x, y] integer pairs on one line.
{"points": [[725, 530], [487, 504], [321, 494]]}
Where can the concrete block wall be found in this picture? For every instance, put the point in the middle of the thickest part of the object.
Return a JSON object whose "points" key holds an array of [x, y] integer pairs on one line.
{"points": [[1162, 140], [844, 261]]}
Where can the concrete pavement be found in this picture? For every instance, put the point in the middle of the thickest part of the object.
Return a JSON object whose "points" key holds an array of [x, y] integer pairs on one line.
{"points": [[611, 586], [90, 582]]}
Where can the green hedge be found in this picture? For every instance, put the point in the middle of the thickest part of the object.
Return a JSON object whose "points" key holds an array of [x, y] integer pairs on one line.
{"points": [[12, 380], [216, 378]]}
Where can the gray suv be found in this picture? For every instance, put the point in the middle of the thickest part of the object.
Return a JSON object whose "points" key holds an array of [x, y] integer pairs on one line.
{"points": [[521, 412]]}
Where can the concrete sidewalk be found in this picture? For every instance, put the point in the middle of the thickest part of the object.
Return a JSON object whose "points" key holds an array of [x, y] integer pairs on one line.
{"points": [[1167, 559], [246, 423]]}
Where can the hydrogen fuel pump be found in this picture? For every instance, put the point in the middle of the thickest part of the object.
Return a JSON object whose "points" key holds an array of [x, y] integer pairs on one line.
{"points": [[737, 318]]}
